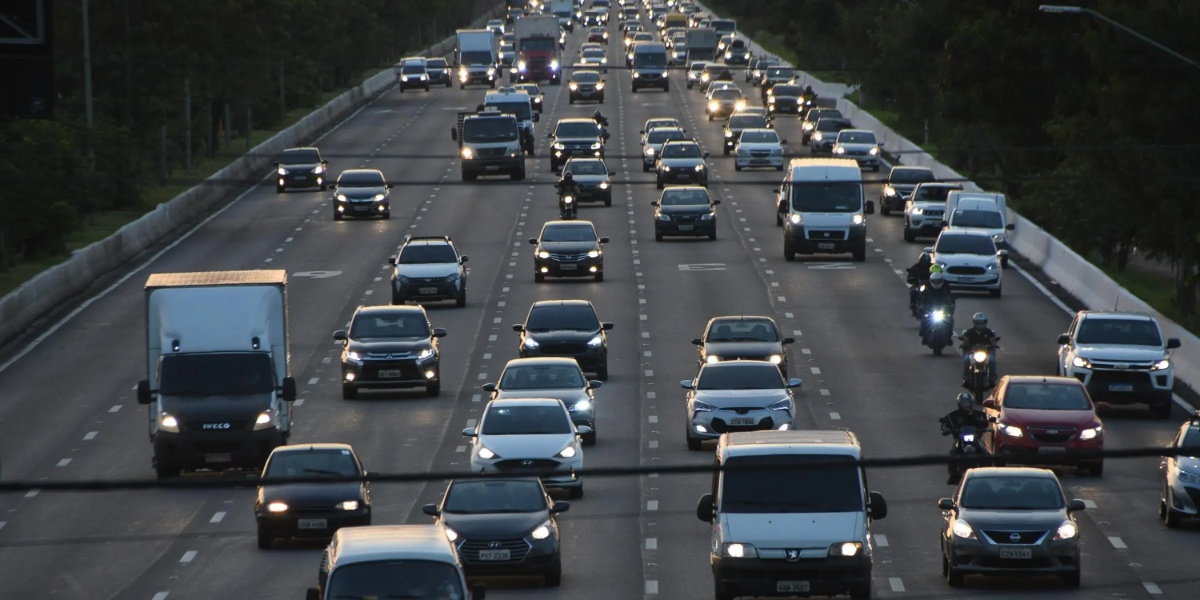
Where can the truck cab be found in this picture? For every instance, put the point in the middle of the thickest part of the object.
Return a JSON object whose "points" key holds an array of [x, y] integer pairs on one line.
{"points": [[821, 208], [537, 50], [475, 56], [489, 143], [508, 99]]}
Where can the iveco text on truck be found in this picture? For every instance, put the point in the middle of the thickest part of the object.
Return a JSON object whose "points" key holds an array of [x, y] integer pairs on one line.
{"points": [[476, 58], [537, 50], [218, 386]]}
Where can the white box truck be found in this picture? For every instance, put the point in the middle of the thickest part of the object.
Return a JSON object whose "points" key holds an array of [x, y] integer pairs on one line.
{"points": [[218, 385], [475, 56]]}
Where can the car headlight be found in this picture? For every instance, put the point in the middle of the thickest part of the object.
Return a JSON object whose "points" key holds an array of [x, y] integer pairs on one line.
{"points": [[873, 151], [666, 168], [352, 355], [341, 197], [727, 55], [699, 168], [781, 405], [704, 77], [451, 534], [486, 454], [491, 71], [916, 210], [889, 190], [596, 341], [318, 169], [265, 420], [992, 266], [554, 65], [347, 505], [998, 237], [979, 356], [839, 150], [1066, 531], [542, 532], [713, 105], [520, 65], [593, 254], [574, 86], [568, 452], [1185, 477], [740, 104], [468, 154], [708, 216], [635, 73], [845, 549], [282, 171], [712, 358], [808, 126], [452, 277], [648, 151], [1092, 433], [597, 145], [857, 219], [796, 219], [1010, 430], [581, 406], [1082, 362], [1161, 365], [662, 217], [818, 136], [168, 423], [378, 197], [277, 507], [603, 185], [531, 344], [733, 550], [698, 406], [963, 530], [776, 151], [426, 353], [558, 146]]}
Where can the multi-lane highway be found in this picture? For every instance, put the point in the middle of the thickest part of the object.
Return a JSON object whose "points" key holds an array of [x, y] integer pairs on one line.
{"points": [[67, 410]]}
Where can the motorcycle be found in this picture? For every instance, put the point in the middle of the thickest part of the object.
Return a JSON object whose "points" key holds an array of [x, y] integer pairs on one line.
{"points": [[979, 370], [916, 296], [937, 327], [968, 442], [567, 207]]}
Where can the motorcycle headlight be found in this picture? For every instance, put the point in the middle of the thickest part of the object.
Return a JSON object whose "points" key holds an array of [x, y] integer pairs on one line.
{"points": [[938, 316], [318, 169], [739, 550], [963, 530], [581, 406], [1082, 362], [698, 406], [521, 65], [554, 65], [486, 454], [979, 356], [468, 154], [531, 344], [1066, 531], [347, 505], [168, 423], [1161, 365], [593, 254], [1091, 433], [1010, 430], [596, 341], [728, 133], [568, 199], [781, 405], [968, 438], [568, 452], [282, 171], [542, 532]]}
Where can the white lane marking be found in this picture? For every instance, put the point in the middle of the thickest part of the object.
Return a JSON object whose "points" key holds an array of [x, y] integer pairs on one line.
{"points": [[651, 543], [476, 398], [896, 583], [114, 408], [32, 493], [653, 418], [1090, 504], [1152, 588], [835, 417], [378, 279], [460, 449], [482, 376], [1041, 288], [160, 596], [2, 524], [652, 586], [816, 370], [653, 444], [91, 435], [645, 334], [369, 292], [326, 360], [796, 332], [314, 381], [188, 556], [298, 402], [824, 392], [1117, 542], [64, 462], [647, 353], [881, 540], [781, 298], [651, 395], [217, 517], [652, 505], [789, 315]]}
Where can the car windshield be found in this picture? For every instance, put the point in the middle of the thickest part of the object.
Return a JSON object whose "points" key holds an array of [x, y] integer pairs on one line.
{"points": [[419, 254], [791, 91], [684, 197], [312, 463], [965, 244], [539, 44], [586, 167], [526, 420], [299, 157], [384, 325], [531, 89], [481, 130], [407, 579], [682, 151], [569, 233], [435, 63], [593, 53], [856, 137], [412, 69], [740, 377], [816, 115], [653, 123], [655, 58], [585, 77], [747, 122], [470, 497], [577, 129], [760, 137], [742, 331], [476, 57], [791, 483], [826, 196], [563, 318], [361, 179], [724, 25], [986, 219], [911, 175], [1131, 332], [1040, 396], [776, 72], [643, 36], [833, 125], [660, 135], [216, 374], [1011, 492], [933, 193], [541, 377], [520, 109]]}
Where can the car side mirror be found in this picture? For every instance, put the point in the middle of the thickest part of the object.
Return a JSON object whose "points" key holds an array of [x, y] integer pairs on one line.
{"points": [[705, 155], [431, 510], [340, 335], [439, 332], [697, 341], [1103, 407], [788, 341], [795, 382], [144, 394], [782, 142], [287, 389], [877, 506], [469, 432], [946, 503], [1173, 343], [1010, 226], [560, 506], [489, 387], [518, 328], [533, 241], [1064, 339], [595, 383], [705, 508], [654, 203], [603, 240], [1077, 504], [276, 163], [462, 259], [372, 474], [611, 173], [389, 186], [990, 403], [642, 132], [870, 210], [606, 326], [928, 249], [715, 202], [1002, 253], [606, 135], [454, 133], [549, 136], [392, 260], [686, 384]]}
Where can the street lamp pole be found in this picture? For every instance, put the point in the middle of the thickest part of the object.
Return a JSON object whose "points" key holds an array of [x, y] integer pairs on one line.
{"points": [[1057, 8]]}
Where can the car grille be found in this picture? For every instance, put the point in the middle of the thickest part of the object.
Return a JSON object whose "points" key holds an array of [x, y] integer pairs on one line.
{"points": [[568, 257], [684, 218], [1102, 379], [1122, 366], [587, 88], [517, 549], [826, 234], [1053, 435], [785, 103], [760, 153], [563, 348], [577, 147], [998, 536], [199, 426], [397, 356], [966, 270], [856, 153], [531, 465], [426, 279], [649, 76], [489, 152], [932, 213], [407, 370], [1014, 563], [720, 426]]}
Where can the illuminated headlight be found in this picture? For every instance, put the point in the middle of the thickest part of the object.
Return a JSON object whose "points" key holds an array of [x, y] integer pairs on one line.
{"points": [[662, 217], [979, 356], [468, 154], [648, 151], [816, 136], [1185, 477], [889, 190], [581, 406], [596, 340], [600, 85], [938, 316], [265, 420], [781, 405], [704, 77], [739, 550], [341, 197], [491, 71], [568, 199], [1082, 362], [1161, 365], [916, 210], [378, 197], [318, 169], [707, 216], [727, 55], [277, 507], [568, 452], [963, 530], [347, 505], [698, 406], [1011, 430], [740, 104], [462, 75], [775, 358], [574, 86], [558, 146], [485, 453], [554, 65], [168, 423], [635, 73], [714, 105], [699, 168], [593, 254], [597, 145], [712, 358], [354, 356], [796, 219], [1066, 531], [845, 549], [968, 438], [873, 151], [809, 127], [543, 254], [451, 534], [839, 150], [856, 219], [531, 343], [520, 65], [1092, 433], [728, 133], [426, 353], [604, 185], [281, 171], [542, 532]]}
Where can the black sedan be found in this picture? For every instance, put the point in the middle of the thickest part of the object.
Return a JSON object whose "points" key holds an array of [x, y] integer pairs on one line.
{"points": [[784, 99], [503, 527], [567, 328], [568, 249], [300, 168], [685, 211], [362, 193], [310, 510], [390, 347], [439, 71], [586, 85], [743, 338]]}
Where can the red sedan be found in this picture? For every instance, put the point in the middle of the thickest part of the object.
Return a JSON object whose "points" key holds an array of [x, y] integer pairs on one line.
{"points": [[1044, 420]]}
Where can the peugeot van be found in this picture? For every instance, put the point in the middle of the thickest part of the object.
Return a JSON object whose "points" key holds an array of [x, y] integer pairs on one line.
{"points": [[821, 208]]}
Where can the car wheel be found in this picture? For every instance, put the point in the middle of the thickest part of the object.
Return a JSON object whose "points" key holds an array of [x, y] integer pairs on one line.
{"points": [[279, 189], [1071, 580], [788, 253], [468, 176], [448, 84], [710, 116], [433, 389], [779, 168], [427, 87], [337, 216], [554, 577], [600, 276], [908, 234], [645, 169], [862, 592], [694, 444], [518, 175], [778, 219], [349, 391], [539, 277], [667, 88], [264, 540], [324, 186], [713, 235], [165, 472], [736, 167], [884, 209], [659, 184], [461, 299], [608, 201], [954, 578], [397, 298], [571, 100], [576, 492], [994, 293], [633, 89], [726, 151], [1096, 470]]}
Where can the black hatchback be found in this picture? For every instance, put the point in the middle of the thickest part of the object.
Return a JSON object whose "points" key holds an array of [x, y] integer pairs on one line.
{"points": [[567, 328], [685, 211], [300, 168], [568, 249], [313, 509]]}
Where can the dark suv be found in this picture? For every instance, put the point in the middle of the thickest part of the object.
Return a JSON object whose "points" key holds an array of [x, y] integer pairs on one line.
{"points": [[428, 268], [300, 167], [390, 347], [362, 193], [575, 137], [566, 328]]}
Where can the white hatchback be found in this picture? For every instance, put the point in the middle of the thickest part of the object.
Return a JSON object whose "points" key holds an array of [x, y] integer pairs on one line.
{"points": [[530, 436], [969, 261], [759, 148]]}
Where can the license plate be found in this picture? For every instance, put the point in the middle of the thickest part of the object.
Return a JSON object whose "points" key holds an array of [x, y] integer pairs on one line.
{"points": [[427, 290], [569, 267], [1016, 553], [218, 458], [493, 167], [312, 524], [1120, 387], [743, 421], [791, 586], [758, 161], [686, 227], [494, 555], [825, 246], [301, 177], [391, 373], [1052, 450]]}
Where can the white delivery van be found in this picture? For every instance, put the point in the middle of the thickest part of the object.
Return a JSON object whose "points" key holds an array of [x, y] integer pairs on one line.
{"points": [[821, 208], [791, 515], [986, 212], [392, 561]]}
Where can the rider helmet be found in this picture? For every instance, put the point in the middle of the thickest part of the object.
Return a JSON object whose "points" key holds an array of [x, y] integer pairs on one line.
{"points": [[979, 320], [966, 401], [935, 268], [937, 280]]}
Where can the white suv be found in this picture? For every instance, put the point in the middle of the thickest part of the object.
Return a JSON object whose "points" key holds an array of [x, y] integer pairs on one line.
{"points": [[429, 268], [1121, 357]]}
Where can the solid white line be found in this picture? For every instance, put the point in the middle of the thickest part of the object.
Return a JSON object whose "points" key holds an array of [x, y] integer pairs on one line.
{"points": [[896, 583], [881, 540], [1117, 542], [217, 517], [91, 435], [188, 556], [1041, 288], [1152, 588]]}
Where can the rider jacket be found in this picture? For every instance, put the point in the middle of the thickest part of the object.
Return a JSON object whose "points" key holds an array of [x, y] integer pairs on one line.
{"points": [[937, 297], [567, 188], [955, 419], [978, 338], [919, 273]]}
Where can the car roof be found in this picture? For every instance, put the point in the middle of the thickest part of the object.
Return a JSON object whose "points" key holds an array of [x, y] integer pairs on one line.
{"points": [[1117, 314], [858, 131], [728, 318], [541, 303], [324, 446], [360, 171], [739, 363], [390, 309], [1011, 471], [971, 232], [384, 542], [577, 120], [914, 169], [542, 360], [564, 223], [799, 441], [301, 148], [687, 141], [527, 402], [1046, 379]]}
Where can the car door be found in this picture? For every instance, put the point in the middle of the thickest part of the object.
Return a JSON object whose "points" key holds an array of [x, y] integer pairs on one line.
{"points": [[997, 394]]}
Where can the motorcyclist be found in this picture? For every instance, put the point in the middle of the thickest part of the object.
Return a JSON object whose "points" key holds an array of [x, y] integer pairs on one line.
{"points": [[918, 276], [953, 422], [600, 119], [567, 187], [979, 337], [936, 295]]}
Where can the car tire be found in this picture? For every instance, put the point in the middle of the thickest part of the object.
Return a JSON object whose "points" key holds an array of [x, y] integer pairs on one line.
{"points": [[1096, 470], [658, 184], [779, 168], [1161, 410], [518, 175], [789, 254], [539, 277], [575, 493], [461, 299], [954, 578], [995, 293], [166, 472], [602, 372], [710, 117], [433, 389], [571, 100], [468, 176], [725, 150], [667, 88], [349, 391], [600, 276], [608, 201], [1071, 580], [645, 169], [658, 237], [427, 87], [590, 439], [694, 444], [448, 83], [264, 540], [337, 216], [554, 577], [713, 235], [720, 593], [862, 592], [908, 234], [633, 89], [736, 167], [324, 186], [860, 253], [279, 189]]}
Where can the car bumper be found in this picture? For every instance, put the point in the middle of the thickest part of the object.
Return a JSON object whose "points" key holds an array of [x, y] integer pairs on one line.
{"points": [[980, 557], [439, 290], [559, 157], [863, 161], [362, 209], [784, 109], [493, 166], [477, 77], [684, 175], [767, 577], [925, 224], [300, 180], [658, 81], [439, 77], [582, 95], [1031, 451], [564, 476], [841, 239], [1126, 387], [1185, 499], [822, 146], [287, 525], [759, 161], [205, 450], [408, 84], [987, 281], [709, 425], [594, 194], [539, 557], [689, 228], [583, 268], [391, 374]]}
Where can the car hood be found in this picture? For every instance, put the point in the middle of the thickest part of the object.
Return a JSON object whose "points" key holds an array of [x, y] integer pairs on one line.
{"points": [[590, 179], [787, 97], [1122, 354], [299, 166], [312, 494], [784, 530], [691, 209], [732, 398], [904, 188], [1013, 519], [1189, 463], [681, 162], [743, 349], [568, 396], [427, 269], [361, 192], [568, 247], [576, 140], [924, 204], [1080, 419], [389, 346], [562, 335], [495, 525], [541, 445], [965, 260], [759, 146]]}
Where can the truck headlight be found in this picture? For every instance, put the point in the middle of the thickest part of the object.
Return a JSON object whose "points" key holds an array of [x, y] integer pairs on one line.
{"points": [[168, 423], [468, 154], [554, 65], [520, 65], [265, 420], [733, 550], [1161, 365], [796, 219], [856, 219], [1081, 362]]}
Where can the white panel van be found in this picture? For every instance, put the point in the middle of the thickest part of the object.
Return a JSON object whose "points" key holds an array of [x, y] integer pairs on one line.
{"points": [[821, 208]]}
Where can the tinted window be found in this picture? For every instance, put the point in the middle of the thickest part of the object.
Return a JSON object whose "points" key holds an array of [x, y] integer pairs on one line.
{"points": [[682, 151], [911, 175], [417, 579], [987, 219], [361, 179], [1191, 438], [660, 135], [526, 420], [435, 63], [652, 123], [520, 109], [826, 196], [417, 254], [216, 374], [568, 317], [1011, 493], [742, 331], [593, 53], [476, 58], [1133, 332], [466, 497], [489, 130], [1046, 397], [313, 463], [656, 58], [856, 137], [965, 244], [568, 233], [747, 122], [760, 137], [539, 44], [577, 129], [684, 197], [412, 69], [541, 377], [586, 167], [384, 325], [791, 483], [933, 193], [740, 377], [823, 113], [786, 90], [585, 77], [299, 157], [779, 72]]}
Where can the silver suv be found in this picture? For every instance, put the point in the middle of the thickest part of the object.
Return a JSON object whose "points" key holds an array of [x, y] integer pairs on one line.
{"points": [[737, 395], [1121, 357], [428, 268]]}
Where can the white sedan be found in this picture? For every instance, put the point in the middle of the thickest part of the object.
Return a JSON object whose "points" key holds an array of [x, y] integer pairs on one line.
{"points": [[759, 148], [969, 261], [529, 436]]}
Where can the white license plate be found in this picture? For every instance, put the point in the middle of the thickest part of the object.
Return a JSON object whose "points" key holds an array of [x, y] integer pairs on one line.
{"points": [[825, 246], [743, 421], [1120, 387], [791, 586], [493, 167], [391, 373], [1016, 553], [686, 227], [312, 524], [431, 290], [218, 458], [494, 555], [1052, 450], [569, 267]]}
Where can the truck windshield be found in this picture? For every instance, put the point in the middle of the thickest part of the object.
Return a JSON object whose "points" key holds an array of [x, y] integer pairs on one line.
{"points": [[520, 109], [791, 483], [829, 197], [539, 44], [489, 130], [650, 59], [476, 58], [423, 579], [216, 374], [987, 219]]}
